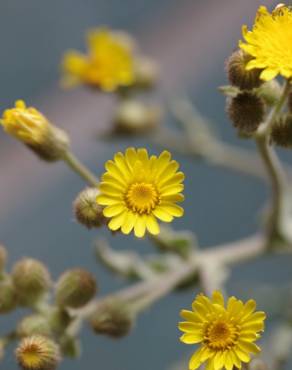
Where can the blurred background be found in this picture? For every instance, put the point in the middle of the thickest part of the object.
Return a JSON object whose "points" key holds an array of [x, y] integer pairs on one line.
{"points": [[190, 40]]}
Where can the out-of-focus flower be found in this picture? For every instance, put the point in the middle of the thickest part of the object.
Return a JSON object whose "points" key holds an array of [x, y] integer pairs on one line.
{"points": [[269, 42], [31, 127], [108, 63], [226, 334], [138, 189]]}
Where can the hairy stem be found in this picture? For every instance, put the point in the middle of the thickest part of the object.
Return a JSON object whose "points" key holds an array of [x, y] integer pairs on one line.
{"points": [[80, 169], [273, 166]]}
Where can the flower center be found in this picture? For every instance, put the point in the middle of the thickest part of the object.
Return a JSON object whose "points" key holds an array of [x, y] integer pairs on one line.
{"points": [[221, 335], [142, 197]]}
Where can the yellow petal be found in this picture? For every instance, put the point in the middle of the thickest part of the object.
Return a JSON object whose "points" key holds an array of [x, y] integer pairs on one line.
{"points": [[217, 297], [191, 338], [152, 225], [190, 327], [268, 74], [140, 227], [129, 222], [114, 210], [117, 221], [196, 360], [172, 209], [160, 213]]}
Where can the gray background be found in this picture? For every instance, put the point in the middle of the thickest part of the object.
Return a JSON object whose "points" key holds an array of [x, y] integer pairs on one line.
{"points": [[191, 40]]}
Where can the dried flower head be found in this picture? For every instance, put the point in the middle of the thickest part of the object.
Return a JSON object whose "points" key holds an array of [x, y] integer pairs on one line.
{"points": [[138, 189], [225, 333], [269, 42], [107, 65]]}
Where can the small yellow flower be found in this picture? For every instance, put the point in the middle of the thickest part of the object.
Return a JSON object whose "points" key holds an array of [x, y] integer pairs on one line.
{"points": [[25, 123], [269, 42], [226, 334], [107, 65], [137, 189]]}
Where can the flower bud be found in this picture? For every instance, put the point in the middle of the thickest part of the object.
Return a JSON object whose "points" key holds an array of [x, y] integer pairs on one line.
{"points": [[28, 125], [270, 92], [238, 75], [75, 288], [59, 320], [281, 133], [34, 324], [114, 319], [86, 209], [8, 298], [134, 117], [31, 279], [246, 111], [3, 258], [38, 353], [146, 73]]}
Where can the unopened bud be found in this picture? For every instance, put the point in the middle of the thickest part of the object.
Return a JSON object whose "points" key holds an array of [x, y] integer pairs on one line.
{"points": [[86, 209], [59, 320], [70, 347], [3, 258], [237, 73], [146, 73], [34, 324], [246, 111], [115, 319], [270, 92], [8, 298], [281, 133], [75, 288], [134, 117], [38, 353], [31, 279], [32, 128]]}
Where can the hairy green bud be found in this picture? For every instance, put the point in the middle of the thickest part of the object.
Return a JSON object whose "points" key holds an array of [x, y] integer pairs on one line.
{"points": [[3, 258], [31, 279], [34, 324], [115, 319], [75, 288], [86, 209], [8, 298]]}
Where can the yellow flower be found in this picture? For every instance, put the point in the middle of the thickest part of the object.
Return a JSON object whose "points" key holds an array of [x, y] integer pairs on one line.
{"points": [[28, 125], [107, 65], [226, 334], [25, 123], [137, 189], [269, 42]]}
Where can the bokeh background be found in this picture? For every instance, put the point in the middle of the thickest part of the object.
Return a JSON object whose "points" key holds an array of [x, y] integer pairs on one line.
{"points": [[191, 40]]}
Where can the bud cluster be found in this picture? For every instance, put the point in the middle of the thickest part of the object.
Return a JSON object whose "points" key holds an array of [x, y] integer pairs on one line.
{"points": [[42, 334]]}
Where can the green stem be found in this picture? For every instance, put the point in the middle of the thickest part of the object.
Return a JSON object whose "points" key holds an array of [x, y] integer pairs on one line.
{"points": [[80, 169], [274, 167]]}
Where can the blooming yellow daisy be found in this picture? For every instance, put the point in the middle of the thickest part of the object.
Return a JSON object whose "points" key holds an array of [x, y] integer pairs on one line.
{"points": [[107, 65], [270, 42], [25, 123], [137, 189], [226, 334]]}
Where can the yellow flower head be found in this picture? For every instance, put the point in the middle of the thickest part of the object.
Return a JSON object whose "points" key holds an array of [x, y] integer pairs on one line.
{"points": [[137, 189], [25, 123], [226, 334], [269, 42], [107, 65]]}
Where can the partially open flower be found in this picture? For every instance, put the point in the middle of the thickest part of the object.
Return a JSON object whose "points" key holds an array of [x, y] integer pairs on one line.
{"points": [[38, 353], [31, 127]]}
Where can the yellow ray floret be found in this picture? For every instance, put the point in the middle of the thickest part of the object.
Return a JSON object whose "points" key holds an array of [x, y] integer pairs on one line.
{"points": [[269, 42], [107, 64], [225, 333], [26, 124], [136, 190]]}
